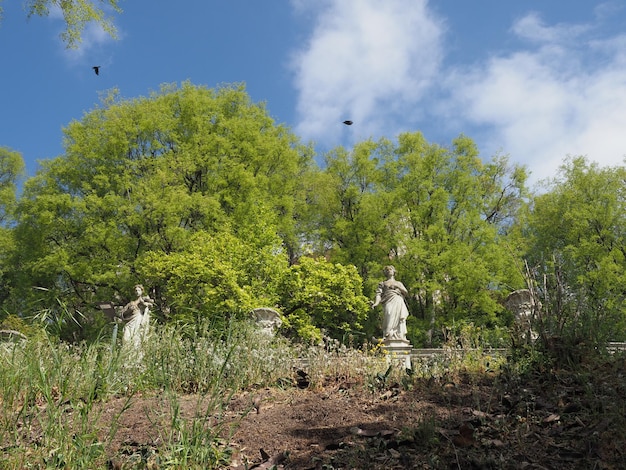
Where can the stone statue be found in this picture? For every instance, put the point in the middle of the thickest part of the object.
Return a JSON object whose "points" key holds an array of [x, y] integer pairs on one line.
{"points": [[525, 306], [136, 313], [391, 293], [267, 319]]}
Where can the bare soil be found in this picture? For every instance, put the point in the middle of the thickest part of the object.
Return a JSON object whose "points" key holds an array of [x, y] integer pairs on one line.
{"points": [[557, 419]]}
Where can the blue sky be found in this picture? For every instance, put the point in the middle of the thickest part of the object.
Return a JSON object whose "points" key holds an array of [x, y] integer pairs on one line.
{"points": [[531, 79]]}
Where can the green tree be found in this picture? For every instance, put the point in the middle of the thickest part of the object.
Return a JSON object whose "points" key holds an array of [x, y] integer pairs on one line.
{"points": [[351, 204], [76, 14], [219, 276], [453, 215], [442, 216], [321, 296], [140, 177], [11, 170], [577, 251]]}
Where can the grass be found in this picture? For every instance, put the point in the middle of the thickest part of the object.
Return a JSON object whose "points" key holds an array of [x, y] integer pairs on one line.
{"points": [[54, 395], [51, 393]]}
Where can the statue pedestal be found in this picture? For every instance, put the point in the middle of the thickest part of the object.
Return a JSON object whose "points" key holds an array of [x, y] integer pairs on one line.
{"points": [[398, 352]]}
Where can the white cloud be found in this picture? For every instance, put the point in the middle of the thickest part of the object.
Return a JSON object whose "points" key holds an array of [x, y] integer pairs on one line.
{"points": [[562, 92], [531, 27], [366, 60], [93, 36], [541, 105]]}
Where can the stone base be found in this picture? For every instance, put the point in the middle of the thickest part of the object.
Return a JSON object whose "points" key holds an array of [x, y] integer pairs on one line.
{"points": [[399, 352]]}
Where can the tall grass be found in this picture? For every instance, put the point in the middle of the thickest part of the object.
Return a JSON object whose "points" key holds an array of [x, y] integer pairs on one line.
{"points": [[51, 392], [55, 397], [48, 390]]}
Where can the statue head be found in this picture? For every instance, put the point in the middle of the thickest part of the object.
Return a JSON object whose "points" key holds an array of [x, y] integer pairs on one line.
{"points": [[389, 271], [139, 290]]}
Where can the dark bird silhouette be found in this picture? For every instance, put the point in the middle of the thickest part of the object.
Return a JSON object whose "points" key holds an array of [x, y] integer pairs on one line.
{"points": [[96, 69], [347, 123]]}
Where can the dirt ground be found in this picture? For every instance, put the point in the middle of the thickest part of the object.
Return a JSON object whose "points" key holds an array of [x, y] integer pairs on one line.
{"points": [[554, 420]]}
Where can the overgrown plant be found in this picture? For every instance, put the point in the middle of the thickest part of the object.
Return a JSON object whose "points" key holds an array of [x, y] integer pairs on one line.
{"points": [[569, 323], [54, 391]]}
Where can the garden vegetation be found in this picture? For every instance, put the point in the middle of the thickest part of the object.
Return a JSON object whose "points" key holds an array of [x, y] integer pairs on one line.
{"points": [[199, 195]]}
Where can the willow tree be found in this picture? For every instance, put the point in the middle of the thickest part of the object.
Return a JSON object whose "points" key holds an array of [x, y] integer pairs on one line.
{"points": [[140, 177]]}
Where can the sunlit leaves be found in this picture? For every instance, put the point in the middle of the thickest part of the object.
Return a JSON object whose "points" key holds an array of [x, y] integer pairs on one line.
{"points": [[143, 176], [439, 214], [11, 169], [578, 229], [217, 276], [316, 294], [77, 14]]}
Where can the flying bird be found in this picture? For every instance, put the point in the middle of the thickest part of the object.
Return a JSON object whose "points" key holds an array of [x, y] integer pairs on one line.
{"points": [[96, 69], [347, 123]]}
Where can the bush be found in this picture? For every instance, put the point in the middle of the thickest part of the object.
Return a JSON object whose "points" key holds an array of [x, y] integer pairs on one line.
{"points": [[320, 295]]}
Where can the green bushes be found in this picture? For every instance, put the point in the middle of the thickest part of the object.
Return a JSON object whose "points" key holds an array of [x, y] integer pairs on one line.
{"points": [[316, 294]]}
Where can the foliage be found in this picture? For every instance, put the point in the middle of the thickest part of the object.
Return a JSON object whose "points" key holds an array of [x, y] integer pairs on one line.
{"points": [[576, 254], [442, 216], [350, 206], [11, 170], [77, 14], [318, 295], [139, 179], [217, 277], [12, 322], [52, 413], [198, 193], [74, 405], [452, 216]]}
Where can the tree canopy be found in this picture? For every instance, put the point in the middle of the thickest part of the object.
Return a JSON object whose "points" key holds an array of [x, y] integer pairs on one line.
{"points": [[11, 171], [577, 251], [140, 178], [199, 195], [442, 215]]}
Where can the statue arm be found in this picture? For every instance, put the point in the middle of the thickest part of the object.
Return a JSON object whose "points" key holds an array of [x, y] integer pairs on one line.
{"points": [[379, 293], [145, 301], [402, 289], [128, 308]]}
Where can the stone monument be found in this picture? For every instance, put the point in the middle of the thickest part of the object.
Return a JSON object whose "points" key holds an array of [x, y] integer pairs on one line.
{"points": [[524, 305], [267, 319], [391, 294], [136, 313]]}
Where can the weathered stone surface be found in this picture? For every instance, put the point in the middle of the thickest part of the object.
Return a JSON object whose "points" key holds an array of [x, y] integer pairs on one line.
{"points": [[136, 313], [267, 319], [524, 306], [391, 294]]}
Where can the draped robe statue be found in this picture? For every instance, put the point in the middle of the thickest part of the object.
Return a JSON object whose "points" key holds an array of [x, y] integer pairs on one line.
{"points": [[391, 293], [137, 316]]}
